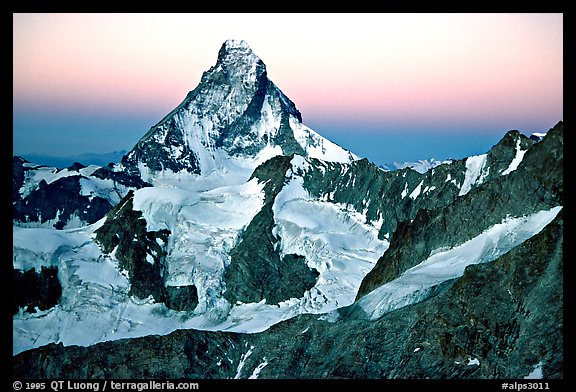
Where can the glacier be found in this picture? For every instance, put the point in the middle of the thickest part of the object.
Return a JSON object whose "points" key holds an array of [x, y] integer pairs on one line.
{"points": [[336, 241], [205, 224]]}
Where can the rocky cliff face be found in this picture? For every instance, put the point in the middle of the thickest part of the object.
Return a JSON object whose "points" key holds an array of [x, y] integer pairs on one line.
{"points": [[397, 196], [67, 198], [142, 254], [56, 203], [501, 319], [35, 290], [257, 270], [525, 190]]}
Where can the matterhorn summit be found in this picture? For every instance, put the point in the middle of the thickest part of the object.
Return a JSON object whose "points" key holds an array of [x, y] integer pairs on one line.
{"points": [[235, 118]]}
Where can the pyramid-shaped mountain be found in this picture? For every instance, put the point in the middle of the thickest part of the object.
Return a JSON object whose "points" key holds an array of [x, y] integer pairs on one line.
{"points": [[236, 115]]}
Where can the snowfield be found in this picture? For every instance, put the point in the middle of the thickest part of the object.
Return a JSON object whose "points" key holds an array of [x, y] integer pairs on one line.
{"points": [[475, 172], [335, 240], [517, 159], [205, 225]]}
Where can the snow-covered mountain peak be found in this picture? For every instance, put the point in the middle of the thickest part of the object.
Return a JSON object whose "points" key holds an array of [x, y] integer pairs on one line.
{"points": [[235, 117], [235, 51], [232, 43], [237, 65]]}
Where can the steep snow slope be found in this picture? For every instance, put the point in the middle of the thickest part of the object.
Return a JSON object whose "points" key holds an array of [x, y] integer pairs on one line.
{"points": [[199, 159], [90, 185], [334, 238], [65, 198], [205, 224], [418, 282]]}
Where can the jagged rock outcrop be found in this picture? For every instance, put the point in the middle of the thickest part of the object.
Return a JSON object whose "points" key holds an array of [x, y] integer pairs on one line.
{"points": [[18, 176], [181, 298], [235, 111], [397, 196], [142, 254], [68, 198], [119, 178], [525, 190], [389, 197], [252, 223], [257, 270], [57, 202], [136, 249]]}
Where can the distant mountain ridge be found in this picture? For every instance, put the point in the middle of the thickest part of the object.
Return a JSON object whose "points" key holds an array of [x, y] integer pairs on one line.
{"points": [[61, 162], [421, 166]]}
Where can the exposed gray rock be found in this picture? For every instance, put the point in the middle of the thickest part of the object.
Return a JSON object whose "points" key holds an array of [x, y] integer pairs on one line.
{"points": [[125, 232], [18, 176], [500, 155], [121, 177], [528, 189], [181, 298], [142, 253], [257, 271], [235, 110], [499, 320], [58, 201], [238, 80], [62, 201]]}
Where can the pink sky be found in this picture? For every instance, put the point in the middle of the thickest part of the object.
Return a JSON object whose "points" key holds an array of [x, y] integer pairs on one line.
{"points": [[379, 68]]}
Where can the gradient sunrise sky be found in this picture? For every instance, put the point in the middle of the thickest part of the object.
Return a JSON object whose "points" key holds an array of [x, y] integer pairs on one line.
{"points": [[390, 87]]}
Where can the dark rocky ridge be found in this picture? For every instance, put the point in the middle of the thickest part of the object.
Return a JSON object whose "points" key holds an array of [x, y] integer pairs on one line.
{"points": [[482, 315], [60, 200], [222, 115], [528, 189], [382, 195], [125, 231], [227, 78], [120, 177], [506, 314], [494, 313], [386, 194], [18, 176], [500, 155], [256, 270]]}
